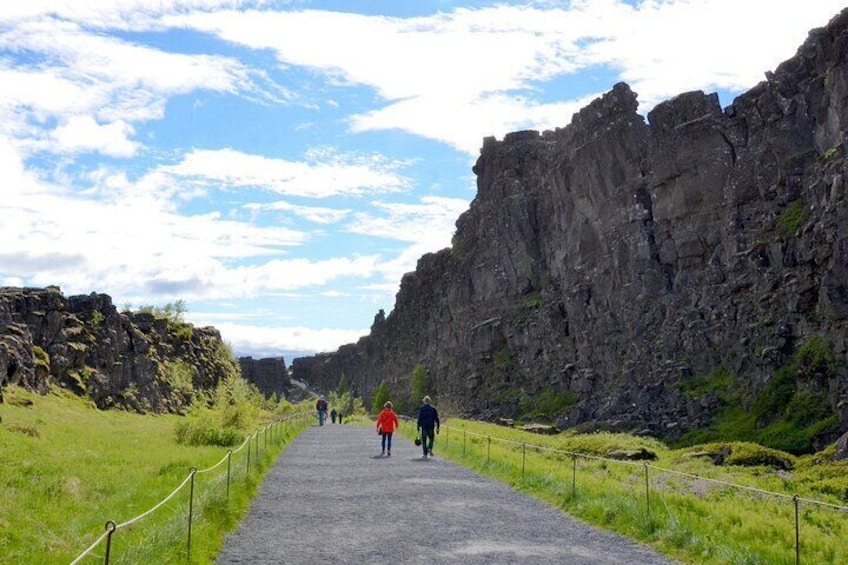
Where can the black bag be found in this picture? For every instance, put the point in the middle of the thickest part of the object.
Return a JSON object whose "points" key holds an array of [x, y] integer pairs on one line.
{"points": [[417, 440]]}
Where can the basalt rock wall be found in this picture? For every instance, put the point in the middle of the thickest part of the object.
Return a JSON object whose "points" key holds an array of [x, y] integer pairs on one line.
{"points": [[119, 360], [611, 267], [269, 374]]}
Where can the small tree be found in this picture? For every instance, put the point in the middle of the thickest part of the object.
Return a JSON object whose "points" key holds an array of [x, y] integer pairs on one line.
{"points": [[381, 395], [420, 384]]}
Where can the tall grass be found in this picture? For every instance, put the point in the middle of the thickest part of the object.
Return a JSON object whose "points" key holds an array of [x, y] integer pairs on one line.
{"points": [[687, 509], [68, 468]]}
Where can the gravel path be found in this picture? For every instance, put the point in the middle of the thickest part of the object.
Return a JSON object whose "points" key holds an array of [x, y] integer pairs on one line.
{"points": [[331, 497]]}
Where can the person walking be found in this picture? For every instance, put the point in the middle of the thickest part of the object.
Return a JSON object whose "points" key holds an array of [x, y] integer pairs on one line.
{"points": [[428, 423], [321, 407], [333, 415], [387, 423]]}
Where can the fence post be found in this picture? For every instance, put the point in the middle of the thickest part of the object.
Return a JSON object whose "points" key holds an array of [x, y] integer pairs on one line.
{"points": [[489, 451], [797, 532], [190, 513], [523, 458], [447, 436], [110, 529], [573, 476], [647, 491], [248, 454], [463, 443], [229, 461]]}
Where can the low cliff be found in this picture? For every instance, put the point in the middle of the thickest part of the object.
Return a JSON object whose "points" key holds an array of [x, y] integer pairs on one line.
{"points": [[269, 374], [134, 361], [642, 276]]}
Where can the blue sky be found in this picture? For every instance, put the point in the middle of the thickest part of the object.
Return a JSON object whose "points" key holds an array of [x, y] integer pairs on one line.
{"points": [[279, 165]]}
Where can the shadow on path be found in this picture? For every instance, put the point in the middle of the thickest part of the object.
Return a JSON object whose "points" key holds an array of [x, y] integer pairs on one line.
{"points": [[331, 496]]}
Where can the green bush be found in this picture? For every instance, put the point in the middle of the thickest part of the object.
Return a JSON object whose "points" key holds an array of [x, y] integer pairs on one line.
{"points": [[744, 454], [204, 430], [381, 395], [180, 377], [420, 384], [791, 219]]}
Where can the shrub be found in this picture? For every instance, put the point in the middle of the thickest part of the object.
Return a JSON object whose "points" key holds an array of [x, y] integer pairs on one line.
{"points": [[420, 384], [205, 431], [180, 377], [792, 218], [381, 395], [744, 454]]}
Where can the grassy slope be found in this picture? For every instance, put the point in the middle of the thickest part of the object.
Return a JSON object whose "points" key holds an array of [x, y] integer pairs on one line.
{"points": [[692, 519], [68, 468]]}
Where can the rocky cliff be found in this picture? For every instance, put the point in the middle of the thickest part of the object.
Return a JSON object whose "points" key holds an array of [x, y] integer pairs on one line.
{"points": [[134, 361], [643, 275], [270, 375]]}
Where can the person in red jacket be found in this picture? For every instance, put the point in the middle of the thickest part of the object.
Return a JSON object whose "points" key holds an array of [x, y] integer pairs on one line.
{"points": [[387, 423]]}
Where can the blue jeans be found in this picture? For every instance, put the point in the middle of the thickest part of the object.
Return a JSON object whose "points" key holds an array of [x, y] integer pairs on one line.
{"points": [[387, 442], [322, 415], [428, 436]]}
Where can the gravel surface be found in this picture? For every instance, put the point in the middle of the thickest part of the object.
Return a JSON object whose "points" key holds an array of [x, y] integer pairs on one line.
{"points": [[331, 496]]}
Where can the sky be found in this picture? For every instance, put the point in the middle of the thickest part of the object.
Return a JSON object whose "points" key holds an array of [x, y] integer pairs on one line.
{"points": [[278, 166]]}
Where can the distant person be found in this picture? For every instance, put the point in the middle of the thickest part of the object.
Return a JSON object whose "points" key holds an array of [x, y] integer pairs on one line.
{"points": [[341, 415], [428, 422], [333, 415], [387, 423], [321, 407]]}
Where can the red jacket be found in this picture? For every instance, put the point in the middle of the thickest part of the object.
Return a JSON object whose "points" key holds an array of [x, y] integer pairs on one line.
{"points": [[387, 421]]}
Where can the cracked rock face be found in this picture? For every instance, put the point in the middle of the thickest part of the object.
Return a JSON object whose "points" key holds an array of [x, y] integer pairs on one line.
{"points": [[84, 344], [607, 262]]}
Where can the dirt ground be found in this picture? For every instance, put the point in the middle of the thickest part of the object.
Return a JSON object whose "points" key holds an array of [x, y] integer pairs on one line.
{"points": [[332, 498]]}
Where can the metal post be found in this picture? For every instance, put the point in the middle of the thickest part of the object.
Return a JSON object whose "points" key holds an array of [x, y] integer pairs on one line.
{"points": [[797, 532], [489, 451], [190, 513], [647, 491], [110, 529]]}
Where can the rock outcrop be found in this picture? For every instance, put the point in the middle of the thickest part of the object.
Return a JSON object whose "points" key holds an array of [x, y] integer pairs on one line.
{"points": [[635, 275], [133, 361], [269, 374]]}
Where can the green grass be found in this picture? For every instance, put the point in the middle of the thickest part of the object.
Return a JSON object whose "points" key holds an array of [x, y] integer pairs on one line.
{"points": [[68, 468], [694, 515]]}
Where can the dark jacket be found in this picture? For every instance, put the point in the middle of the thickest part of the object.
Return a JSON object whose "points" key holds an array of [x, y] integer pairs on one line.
{"points": [[428, 417]]}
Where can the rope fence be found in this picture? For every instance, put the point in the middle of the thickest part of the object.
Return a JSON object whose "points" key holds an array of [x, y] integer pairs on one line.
{"points": [[251, 444], [648, 470]]}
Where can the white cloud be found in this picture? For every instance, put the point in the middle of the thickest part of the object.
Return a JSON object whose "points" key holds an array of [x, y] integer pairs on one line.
{"points": [[96, 85], [111, 14], [316, 214], [430, 222], [427, 227], [82, 134], [344, 175], [462, 75], [265, 341]]}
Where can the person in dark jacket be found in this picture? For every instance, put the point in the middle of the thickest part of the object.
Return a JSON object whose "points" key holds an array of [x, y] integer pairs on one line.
{"points": [[321, 407], [428, 423]]}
